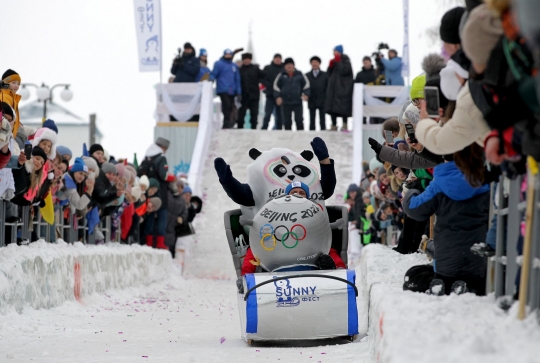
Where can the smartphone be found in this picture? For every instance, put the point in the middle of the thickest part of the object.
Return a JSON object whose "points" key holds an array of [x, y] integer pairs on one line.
{"points": [[431, 95], [388, 136], [410, 132], [28, 151]]}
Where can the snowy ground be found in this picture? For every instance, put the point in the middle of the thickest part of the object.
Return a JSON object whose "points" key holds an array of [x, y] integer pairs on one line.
{"points": [[177, 320]]}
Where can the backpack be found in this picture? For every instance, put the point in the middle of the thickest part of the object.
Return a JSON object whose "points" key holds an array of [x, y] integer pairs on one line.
{"points": [[148, 167]]}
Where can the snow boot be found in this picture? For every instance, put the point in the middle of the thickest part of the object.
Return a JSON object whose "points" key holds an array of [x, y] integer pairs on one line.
{"points": [[459, 287], [161, 243], [333, 128], [150, 241], [437, 287], [326, 262]]}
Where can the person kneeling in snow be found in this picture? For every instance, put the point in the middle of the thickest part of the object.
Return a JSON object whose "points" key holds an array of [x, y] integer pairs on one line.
{"points": [[329, 261]]}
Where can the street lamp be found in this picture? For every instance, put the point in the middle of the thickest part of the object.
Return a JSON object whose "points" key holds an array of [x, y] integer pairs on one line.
{"points": [[44, 93]]}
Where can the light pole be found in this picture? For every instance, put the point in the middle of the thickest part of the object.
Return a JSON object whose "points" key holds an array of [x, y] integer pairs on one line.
{"points": [[44, 93]]}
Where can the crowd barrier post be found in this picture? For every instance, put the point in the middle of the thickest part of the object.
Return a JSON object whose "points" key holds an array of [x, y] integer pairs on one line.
{"points": [[512, 235], [534, 281], [25, 232], [2, 223], [499, 261]]}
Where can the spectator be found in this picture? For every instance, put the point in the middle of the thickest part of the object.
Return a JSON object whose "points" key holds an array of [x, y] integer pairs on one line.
{"points": [[392, 69], [227, 77], [97, 152], [271, 72], [9, 95], [186, 66], [204, 72], [77, 187], [105, 190], [340, 88], [449, 30], [177, 214], [289, 87], [367, 75], [318, 83], [64, 152], [250, 77], [29, 178], [184, 230]]}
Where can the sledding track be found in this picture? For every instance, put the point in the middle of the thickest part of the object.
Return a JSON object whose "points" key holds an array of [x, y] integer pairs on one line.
{"points": [[209, 256]]}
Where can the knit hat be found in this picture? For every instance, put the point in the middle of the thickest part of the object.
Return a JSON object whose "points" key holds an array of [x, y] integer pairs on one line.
{"points": [[37, 151], [374, 164], [247, 56], [10, 75], [187, 189], [188, 45], [449, 29], [315, 58], [300, 185], [7, 110], [203, 53], [450, 84], [120, 169], [143, 180], [163, 142], [131, 169], [432, 64], [153, 183], [277, 55], [480, 34], [417, 87], [339, 48], [48, 123], [156, 203], [79, 165], [94, 148], [288, 61], [108, 168], [136, 193], [90, 162], [46, 134], [366, 195], [227, 52], [63, 150], [353, 188]]}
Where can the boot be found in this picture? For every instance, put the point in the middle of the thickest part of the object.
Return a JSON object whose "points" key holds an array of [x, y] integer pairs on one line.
{"points": [[459, 287], [149, 240], [437, 287], [344, 127], [161, 243], [333, 128]]}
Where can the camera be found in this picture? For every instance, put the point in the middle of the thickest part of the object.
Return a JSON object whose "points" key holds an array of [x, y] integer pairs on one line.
{"points": [[381, 46], [178, 58]]}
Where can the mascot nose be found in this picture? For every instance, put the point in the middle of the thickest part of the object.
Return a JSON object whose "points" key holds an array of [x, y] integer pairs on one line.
{"points": [[291, 177]]}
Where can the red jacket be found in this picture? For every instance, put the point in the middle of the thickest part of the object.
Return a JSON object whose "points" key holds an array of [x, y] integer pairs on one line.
{"points": [[4, 159], [127, 220]]}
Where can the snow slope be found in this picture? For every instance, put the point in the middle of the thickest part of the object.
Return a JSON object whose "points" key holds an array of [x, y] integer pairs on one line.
{"points": [[209, 256]]}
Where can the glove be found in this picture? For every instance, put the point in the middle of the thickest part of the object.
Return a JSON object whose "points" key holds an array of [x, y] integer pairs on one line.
{"points": [[375, 145], [319, 148], [42, 203], [326, 263], [9, 193], [223, 170], [415, 184]]}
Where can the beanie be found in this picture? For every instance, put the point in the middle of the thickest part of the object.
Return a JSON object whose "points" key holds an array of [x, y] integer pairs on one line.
{"points": [[480, 34], [227, 52], [143, 180], [339, 48], [153, 183], [94, 148], [120, 169], [300, 185], [188, 45], [247, 56], [353, 188], [374, 164], [163, 142], [91, 163], [63, 150], [156, 203], [108, 168], [417, 87], [449, 29], [136, 193], [288, 61], [37, 151], [7, 110], [50, 125], [203, 53], [79, 165], [10, 75], [366, 195], [315, 58], [277, 55], [432, 64], [187, 189]]}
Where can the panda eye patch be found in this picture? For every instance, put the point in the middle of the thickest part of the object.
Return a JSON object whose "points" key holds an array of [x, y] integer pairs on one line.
{"points": [[301, 170], [280, 170]]}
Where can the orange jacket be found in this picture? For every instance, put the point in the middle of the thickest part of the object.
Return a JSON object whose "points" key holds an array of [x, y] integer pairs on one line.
{"points": [[12, 99]]}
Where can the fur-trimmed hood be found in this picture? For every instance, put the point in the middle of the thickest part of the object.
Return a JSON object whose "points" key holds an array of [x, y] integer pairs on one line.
{"points": [[46, 134]]}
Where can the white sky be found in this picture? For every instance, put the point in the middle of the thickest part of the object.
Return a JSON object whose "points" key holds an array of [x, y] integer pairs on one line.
{"points": [[91, 45]]}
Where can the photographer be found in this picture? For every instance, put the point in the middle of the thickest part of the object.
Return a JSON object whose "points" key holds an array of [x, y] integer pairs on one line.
{"points": [[392, 66], [186, 66]]}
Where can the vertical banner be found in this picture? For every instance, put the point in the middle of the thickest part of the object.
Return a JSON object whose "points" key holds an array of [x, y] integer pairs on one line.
{"points": [[405, 57], [148, 29]]}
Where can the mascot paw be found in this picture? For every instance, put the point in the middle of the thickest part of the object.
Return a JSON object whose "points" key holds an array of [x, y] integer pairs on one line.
{"points": [[223, 170], [326, 263], [319, 148]]}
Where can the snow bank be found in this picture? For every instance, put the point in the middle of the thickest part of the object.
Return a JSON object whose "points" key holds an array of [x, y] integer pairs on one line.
{"points": [[44, 275], [413, 327]]}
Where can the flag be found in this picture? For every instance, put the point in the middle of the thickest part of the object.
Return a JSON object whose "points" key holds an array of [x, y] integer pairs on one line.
{"points": [[405, 53], [148, 30], [85, 150], [47, 212], [135, 162], [92, 218]]}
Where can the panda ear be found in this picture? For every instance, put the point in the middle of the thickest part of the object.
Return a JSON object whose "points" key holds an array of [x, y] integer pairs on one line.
{"points": [[254, 153], [307, 154]]}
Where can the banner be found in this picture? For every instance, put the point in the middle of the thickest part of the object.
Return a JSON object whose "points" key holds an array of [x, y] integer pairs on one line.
{"points": [[148, 29], [405, 54]]}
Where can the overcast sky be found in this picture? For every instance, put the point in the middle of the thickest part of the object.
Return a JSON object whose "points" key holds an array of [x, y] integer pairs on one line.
{"points": [[91, 45]]}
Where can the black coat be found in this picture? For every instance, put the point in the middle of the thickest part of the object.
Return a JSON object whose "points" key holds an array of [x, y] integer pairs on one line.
{"points": [[318, 86], [340, 88], [176, 208], [104, 192], [271, 71], [291, 88], [366, 76], [250, 77], [186, 69]]}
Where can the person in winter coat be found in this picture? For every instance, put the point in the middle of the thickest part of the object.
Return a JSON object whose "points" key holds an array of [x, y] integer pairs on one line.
{"points": [[204, 72], [105, 190], [29, 178], [449, 30], [271, 72], [340, 88], [7, 149], [46, 139], [97, 152], [318, 83], [289, 88], [10, 96], [186, 67], [184, 230], [177, 214], [250, 77], [77, 187], [462, 220], [367, 75], [392, 69], [227, 77]]}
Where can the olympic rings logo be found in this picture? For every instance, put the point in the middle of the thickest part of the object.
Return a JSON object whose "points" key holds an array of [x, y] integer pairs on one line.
{"points": [[267, 232]]}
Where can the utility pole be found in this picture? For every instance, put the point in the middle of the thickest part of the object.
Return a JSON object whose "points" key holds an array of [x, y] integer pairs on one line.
{"points": [[92, 129]]}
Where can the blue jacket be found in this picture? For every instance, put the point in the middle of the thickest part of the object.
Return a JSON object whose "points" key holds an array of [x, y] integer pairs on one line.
{"points": [[392, 71], [204, 70], [227, 77], [462, 220], [186, 69]]}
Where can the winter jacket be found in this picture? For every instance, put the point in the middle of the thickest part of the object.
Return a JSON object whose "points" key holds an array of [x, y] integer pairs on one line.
{"points": [[186, 69], [12, 99], [126, 220], [74, 193], [203, 71], [6, 176], [160, 172], [271, 72], [462, 220], [291, 87], [366, 76], [104, 192], [340, 88], [317, 87], [176, 208], [250, 77], [466, 126], [22, 178], [227, 77], [359, 211], [392, 71], [407, 159]]}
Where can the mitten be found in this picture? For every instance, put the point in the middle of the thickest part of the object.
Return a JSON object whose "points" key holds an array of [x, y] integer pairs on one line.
{"points": [[9, 193], [326, 263], [319, 148], [42, 203], [375, 145], [223, 170], [415, 184]]}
